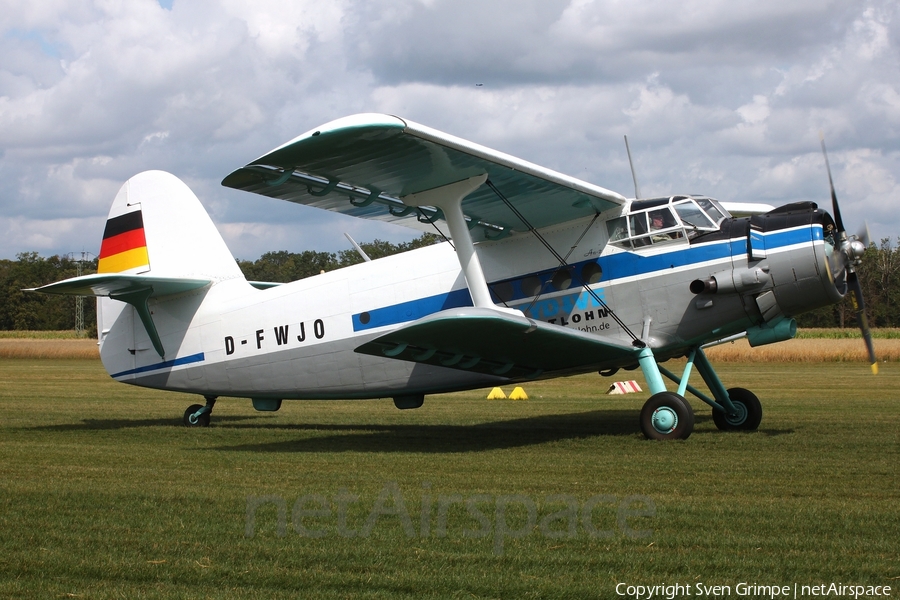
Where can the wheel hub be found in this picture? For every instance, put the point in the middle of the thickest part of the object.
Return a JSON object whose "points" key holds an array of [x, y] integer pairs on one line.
{"points": [[740, 414], [664, 419]]}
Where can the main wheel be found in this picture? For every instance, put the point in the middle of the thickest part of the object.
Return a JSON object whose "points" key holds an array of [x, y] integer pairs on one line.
{"points": [[191, 421], [667, 416], [748, 416]]}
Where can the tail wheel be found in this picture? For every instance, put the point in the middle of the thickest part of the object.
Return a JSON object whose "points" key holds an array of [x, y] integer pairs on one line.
{"points": [[191, 420], [748, 415], [667, 416]]}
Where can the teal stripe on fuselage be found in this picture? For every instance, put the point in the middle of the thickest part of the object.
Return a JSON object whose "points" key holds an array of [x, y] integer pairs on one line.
{"points": [[615, 266]]}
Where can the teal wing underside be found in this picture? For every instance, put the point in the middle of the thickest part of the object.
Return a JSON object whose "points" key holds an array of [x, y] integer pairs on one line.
{"points": [[364, 165], [494, 343]]}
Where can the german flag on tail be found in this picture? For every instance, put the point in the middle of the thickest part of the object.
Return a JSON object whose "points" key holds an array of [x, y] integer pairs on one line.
{"points": [[124, 246]]}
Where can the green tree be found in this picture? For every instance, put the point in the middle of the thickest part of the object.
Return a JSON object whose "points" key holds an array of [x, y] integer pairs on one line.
{"points": [[21, 310], [283, 266]]}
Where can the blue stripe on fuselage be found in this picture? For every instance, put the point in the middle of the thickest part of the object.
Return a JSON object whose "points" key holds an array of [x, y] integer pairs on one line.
{"points": [[410, 311], [615, 266], [168, 364]]}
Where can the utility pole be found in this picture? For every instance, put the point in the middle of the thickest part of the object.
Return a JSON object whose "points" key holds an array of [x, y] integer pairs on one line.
{"points": [[79, 300], [79, 303]]}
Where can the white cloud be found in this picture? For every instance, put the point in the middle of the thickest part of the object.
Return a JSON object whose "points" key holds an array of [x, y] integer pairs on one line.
{"points": [[716, 97]]}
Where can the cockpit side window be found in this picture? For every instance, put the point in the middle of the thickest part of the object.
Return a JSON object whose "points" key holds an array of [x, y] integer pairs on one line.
{"points": [[694, 219], [663, 220], [638, 224], [617, 228], [711, 209], [663, 226]]}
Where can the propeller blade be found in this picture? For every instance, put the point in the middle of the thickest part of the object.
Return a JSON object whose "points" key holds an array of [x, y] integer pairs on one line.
{"points": [[863, 234], [859, 307], [834, 202]]}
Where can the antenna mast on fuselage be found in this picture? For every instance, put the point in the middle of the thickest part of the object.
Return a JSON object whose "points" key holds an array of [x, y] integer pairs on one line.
{"points": [[637, 190]]}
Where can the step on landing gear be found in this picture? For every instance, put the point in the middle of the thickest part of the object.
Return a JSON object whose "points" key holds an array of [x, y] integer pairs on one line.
{"points": [[197, 415]]}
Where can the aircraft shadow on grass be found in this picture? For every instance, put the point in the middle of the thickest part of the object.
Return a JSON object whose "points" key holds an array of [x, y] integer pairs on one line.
{"points": [[106, 424], [444, 439], [399, 437], [438, 438]]}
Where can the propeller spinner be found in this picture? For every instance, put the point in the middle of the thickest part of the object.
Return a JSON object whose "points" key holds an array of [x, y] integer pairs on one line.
{"points": [[849, 253]]}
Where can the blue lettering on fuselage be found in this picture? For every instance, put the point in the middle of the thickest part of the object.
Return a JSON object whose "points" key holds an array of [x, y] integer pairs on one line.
{"points": [[563, 306]]}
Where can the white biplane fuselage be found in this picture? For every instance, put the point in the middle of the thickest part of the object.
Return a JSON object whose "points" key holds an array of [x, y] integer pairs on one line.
{"points": [[545, 276]]}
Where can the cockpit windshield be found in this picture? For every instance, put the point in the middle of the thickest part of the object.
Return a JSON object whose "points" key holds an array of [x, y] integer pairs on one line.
{"points": [[665, 220]]}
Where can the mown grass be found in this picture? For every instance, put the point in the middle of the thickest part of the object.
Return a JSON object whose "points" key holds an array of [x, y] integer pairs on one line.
{"points": [[105, 496], [811, 345]]}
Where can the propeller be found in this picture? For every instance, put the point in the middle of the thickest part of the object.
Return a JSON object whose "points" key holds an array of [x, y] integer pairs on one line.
{"points": [[851, 249]]}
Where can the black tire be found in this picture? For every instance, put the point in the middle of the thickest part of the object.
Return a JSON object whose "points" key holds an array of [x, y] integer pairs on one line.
{"points": [[749, 412], [667, 416], [202, 421]]}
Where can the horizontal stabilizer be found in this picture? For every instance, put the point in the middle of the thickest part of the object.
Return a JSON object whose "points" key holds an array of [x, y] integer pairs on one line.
{"points": [[114, 284], [495, 343], [136, 290]]}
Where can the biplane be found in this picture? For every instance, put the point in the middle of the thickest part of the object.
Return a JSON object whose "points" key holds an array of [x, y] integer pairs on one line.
{"points": [[541, 275]]}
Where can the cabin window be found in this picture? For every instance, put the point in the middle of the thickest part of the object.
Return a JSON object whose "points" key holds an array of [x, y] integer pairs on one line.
{"points": [[531, 286], [503, 291], [562, 279], [591, 273]]}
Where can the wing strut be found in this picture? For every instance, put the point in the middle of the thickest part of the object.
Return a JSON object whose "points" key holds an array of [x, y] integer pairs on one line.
{"points": [[449, 199], [562, 262]]}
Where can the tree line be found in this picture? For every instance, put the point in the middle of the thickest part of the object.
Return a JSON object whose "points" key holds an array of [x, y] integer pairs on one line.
{"points": [[879, 277], [21, 310]]}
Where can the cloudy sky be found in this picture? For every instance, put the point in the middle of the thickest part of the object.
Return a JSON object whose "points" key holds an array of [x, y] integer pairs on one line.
{"points": [[717, 97]]}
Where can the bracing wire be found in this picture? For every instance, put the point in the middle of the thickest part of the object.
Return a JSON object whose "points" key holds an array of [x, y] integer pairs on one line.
{"points": [[562, 261]]}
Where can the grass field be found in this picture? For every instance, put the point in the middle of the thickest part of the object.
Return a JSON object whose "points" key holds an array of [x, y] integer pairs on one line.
{"points": [[104, 495], [811, 345]]}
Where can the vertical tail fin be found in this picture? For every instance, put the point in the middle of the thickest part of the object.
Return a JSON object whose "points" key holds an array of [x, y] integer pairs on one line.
{"points": [[157, 226], [158, 242]]}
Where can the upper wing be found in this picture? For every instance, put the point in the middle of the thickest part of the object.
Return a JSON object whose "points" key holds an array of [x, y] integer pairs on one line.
{"points": [[363, 165], [496, 343]]}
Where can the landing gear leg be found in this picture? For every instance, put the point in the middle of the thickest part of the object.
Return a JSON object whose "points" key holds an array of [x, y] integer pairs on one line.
{"points": [[734, 409], [666, 415], [197, 415]]}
